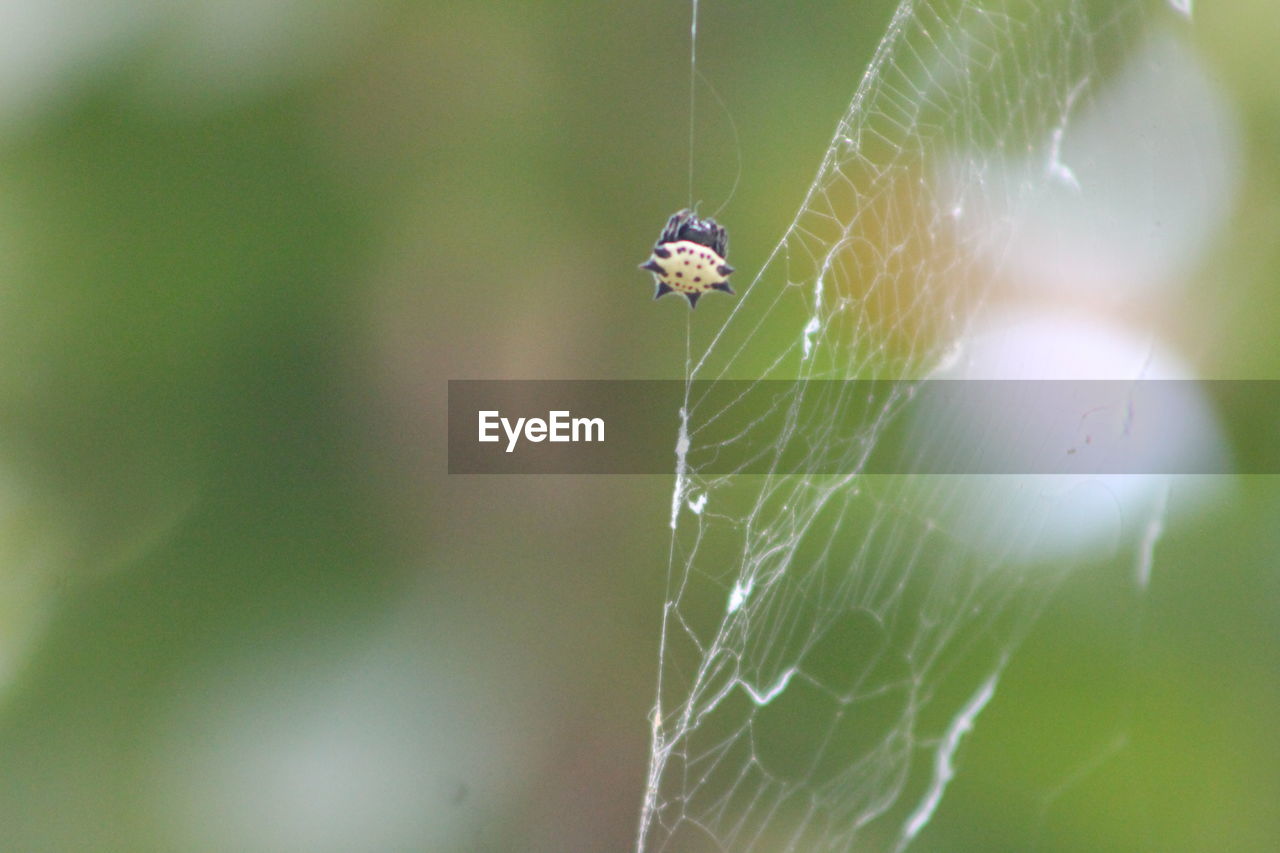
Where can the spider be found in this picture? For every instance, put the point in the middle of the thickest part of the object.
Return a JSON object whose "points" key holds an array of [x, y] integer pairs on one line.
{"points": [[689, 257]]}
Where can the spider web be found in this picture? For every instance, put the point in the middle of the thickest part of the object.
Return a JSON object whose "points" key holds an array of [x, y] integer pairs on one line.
{"points": [[828, 641]]}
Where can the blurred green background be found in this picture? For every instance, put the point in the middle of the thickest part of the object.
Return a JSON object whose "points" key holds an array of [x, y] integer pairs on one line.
{"points": [[242, 607]]}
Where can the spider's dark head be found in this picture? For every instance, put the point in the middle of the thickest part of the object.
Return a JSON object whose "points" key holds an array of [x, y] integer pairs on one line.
{"points": [[704, 232], [685, 225]]}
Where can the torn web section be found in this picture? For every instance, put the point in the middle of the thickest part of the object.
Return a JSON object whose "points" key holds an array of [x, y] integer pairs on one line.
{"points": [[828, 640]]}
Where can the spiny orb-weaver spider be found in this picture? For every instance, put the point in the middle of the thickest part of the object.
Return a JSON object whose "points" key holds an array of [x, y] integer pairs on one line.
{"points": [[689, 257]]}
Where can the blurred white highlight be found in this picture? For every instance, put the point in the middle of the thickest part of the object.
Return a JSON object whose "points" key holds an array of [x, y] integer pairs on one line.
{"points": [[1154, 169]]}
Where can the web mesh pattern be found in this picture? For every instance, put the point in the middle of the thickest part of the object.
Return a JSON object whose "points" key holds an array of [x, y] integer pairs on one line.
{"points": [[827, 640]]}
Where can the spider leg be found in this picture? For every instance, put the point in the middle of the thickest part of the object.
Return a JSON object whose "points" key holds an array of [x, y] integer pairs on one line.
{"points": [[671, 233], [721, 242]]}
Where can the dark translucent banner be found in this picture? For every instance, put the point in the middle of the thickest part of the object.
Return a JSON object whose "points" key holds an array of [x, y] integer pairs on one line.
{"points": [[869, 427]]}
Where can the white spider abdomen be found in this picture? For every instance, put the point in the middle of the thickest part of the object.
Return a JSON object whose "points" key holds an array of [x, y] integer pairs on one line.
{"points": [[689, 268]]}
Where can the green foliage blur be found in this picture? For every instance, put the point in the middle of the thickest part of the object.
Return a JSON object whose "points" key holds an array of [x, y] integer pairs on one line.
{"points": [[242, 605]]}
